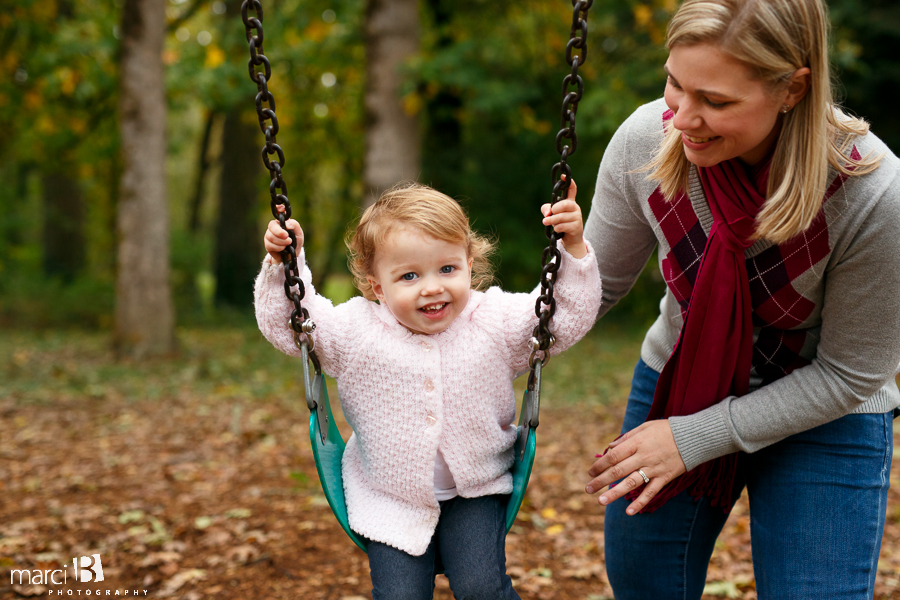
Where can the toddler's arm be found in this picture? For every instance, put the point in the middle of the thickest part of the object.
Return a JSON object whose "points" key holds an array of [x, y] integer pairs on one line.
{"points": [[334, 324], [576, 292]]}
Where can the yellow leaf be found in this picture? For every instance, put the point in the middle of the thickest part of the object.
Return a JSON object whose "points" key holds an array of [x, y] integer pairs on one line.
{"points": [[45, 125], [643, 14], [214, 57], [68, 80], [412, 104], [548, 513], [555, 529]]}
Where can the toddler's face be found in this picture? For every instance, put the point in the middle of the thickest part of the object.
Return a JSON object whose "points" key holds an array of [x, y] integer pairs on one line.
{"points": [[424, 281]]}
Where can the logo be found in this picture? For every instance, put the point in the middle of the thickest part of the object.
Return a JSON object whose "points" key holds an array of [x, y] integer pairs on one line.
{"points": [[88, 569], [91, 568]]}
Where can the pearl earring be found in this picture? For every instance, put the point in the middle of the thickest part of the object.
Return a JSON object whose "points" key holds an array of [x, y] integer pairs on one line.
{"points": [[785, 108]]}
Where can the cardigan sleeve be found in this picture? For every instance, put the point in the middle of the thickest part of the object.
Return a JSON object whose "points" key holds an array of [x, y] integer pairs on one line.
{"points": [[336, 326], [577, 294], [857, 355]]}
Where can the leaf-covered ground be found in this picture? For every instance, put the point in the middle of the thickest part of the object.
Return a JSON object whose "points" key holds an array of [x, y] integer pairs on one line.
{"points": [[193, 478]]}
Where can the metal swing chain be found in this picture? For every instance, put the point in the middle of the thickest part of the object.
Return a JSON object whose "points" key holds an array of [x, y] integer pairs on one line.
{"points": [[300, 322], [545, 306]]}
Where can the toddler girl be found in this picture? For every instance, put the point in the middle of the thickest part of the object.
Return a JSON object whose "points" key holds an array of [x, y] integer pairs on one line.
{"points": [[425, 379]]}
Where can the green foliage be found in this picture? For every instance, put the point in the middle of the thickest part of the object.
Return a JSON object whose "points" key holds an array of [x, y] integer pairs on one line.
{"points": [[864, 52], [486, 84], [505, 64]]}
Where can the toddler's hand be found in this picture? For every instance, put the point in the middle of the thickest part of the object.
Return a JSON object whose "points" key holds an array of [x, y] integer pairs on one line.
{"points": [[277, 239], [565, 217]]}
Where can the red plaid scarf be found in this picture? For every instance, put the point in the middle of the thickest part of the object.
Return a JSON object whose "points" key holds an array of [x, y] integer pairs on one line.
{"points": [[712, 358]]}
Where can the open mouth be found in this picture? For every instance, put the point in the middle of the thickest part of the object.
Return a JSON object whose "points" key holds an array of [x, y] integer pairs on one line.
{"points": [[698, 140], [433, 309]]}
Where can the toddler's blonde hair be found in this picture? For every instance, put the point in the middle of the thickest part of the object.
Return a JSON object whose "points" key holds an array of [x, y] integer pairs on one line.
{"points": [[427, 210]]}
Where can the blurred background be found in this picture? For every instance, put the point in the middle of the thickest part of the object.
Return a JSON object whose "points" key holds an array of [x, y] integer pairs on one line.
{"points": [[143, 416], [479, 81]]}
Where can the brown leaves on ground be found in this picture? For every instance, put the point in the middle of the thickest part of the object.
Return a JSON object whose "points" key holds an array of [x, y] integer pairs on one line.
{"points": [[187, 498]]}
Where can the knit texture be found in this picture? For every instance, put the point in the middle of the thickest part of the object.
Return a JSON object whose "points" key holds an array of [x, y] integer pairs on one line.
{"points": [[406, 395], [825, 305]]}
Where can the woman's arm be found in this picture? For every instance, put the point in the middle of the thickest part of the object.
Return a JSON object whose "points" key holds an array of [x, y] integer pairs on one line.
{"points": [[857, 356], [621, 236]]}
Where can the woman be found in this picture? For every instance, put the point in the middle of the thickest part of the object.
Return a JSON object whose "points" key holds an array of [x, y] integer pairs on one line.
{"points": [[772, 363]]}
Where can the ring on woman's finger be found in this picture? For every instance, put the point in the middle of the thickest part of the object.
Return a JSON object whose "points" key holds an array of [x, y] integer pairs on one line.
{"points": [[644, 475]]}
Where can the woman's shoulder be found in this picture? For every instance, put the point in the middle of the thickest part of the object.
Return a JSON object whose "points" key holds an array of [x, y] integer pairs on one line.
{"points": [[638, 137], [879, 185], [647, 118]]}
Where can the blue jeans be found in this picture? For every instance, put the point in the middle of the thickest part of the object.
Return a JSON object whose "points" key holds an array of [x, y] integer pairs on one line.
{"points": [[469, 544], [817, 509]]}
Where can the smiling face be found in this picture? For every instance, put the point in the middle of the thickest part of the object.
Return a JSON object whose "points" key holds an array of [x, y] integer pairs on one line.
{"points": [[424, 281], [722, 111]]}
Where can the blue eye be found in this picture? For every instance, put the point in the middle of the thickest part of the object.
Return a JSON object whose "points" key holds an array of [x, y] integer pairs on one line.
{"points": [[447, 269], [408, 277]]}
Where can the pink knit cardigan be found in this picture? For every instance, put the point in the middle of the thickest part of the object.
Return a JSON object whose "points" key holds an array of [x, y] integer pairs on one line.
{"points": [[405, 394]]}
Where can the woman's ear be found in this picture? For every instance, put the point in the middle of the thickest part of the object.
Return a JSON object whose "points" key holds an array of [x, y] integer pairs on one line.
{"points": [[798, 86]]}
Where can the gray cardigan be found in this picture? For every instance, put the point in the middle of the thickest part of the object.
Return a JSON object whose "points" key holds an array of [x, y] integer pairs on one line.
{"points": [[851, 347]]}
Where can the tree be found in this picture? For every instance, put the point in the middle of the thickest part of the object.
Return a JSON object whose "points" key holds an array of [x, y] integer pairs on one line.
{"points": [[64, 248], [237, 245], [144, 318], [392, 136]]}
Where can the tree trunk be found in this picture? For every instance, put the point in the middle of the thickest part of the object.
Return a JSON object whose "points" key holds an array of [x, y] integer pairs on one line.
{"points": [[443, 165], [144, 324], [238, 236], [203, 165], [392, 135], [63, 231]]}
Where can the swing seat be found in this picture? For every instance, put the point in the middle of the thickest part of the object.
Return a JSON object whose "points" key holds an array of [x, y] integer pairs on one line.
{"points": [[328, 449]]}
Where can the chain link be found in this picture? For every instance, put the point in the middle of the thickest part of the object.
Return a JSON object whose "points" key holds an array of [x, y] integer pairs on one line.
{"points": [[545, 306], [300, 322]]}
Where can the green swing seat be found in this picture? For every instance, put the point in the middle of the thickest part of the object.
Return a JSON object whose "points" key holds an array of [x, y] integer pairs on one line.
{"points": [[328, 445]]}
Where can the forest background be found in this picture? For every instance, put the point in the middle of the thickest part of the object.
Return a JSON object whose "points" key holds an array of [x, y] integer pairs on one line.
{"points": [[185, 461], [483, 86]]}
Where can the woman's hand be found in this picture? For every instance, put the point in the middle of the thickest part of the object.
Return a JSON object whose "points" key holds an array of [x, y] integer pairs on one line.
{"points": [[277, 239], [650, 448], [565, 217]]}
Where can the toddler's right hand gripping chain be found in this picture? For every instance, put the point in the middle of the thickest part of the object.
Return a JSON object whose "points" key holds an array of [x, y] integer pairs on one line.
{"points": [[300, 322]]}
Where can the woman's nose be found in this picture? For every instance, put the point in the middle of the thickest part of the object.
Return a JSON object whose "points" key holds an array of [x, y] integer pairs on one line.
{"points": [[686, 116]]}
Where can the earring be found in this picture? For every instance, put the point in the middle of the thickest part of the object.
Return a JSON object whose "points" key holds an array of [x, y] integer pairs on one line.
{"points": [[785, 108]]}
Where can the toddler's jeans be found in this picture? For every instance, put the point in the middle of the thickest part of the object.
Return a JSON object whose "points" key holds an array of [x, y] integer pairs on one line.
{"points": [[469, 543]]}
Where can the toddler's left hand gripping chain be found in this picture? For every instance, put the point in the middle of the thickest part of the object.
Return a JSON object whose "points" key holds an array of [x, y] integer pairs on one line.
{"points": [[542, 338]]}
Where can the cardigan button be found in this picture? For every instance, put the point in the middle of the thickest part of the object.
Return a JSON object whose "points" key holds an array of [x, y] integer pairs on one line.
{"points": [[431, 420], [426, 347], [429, 385]]}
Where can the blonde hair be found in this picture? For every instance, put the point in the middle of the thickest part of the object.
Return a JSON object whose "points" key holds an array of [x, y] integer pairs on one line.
{"points": [[773, 38], [427, 210]]}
